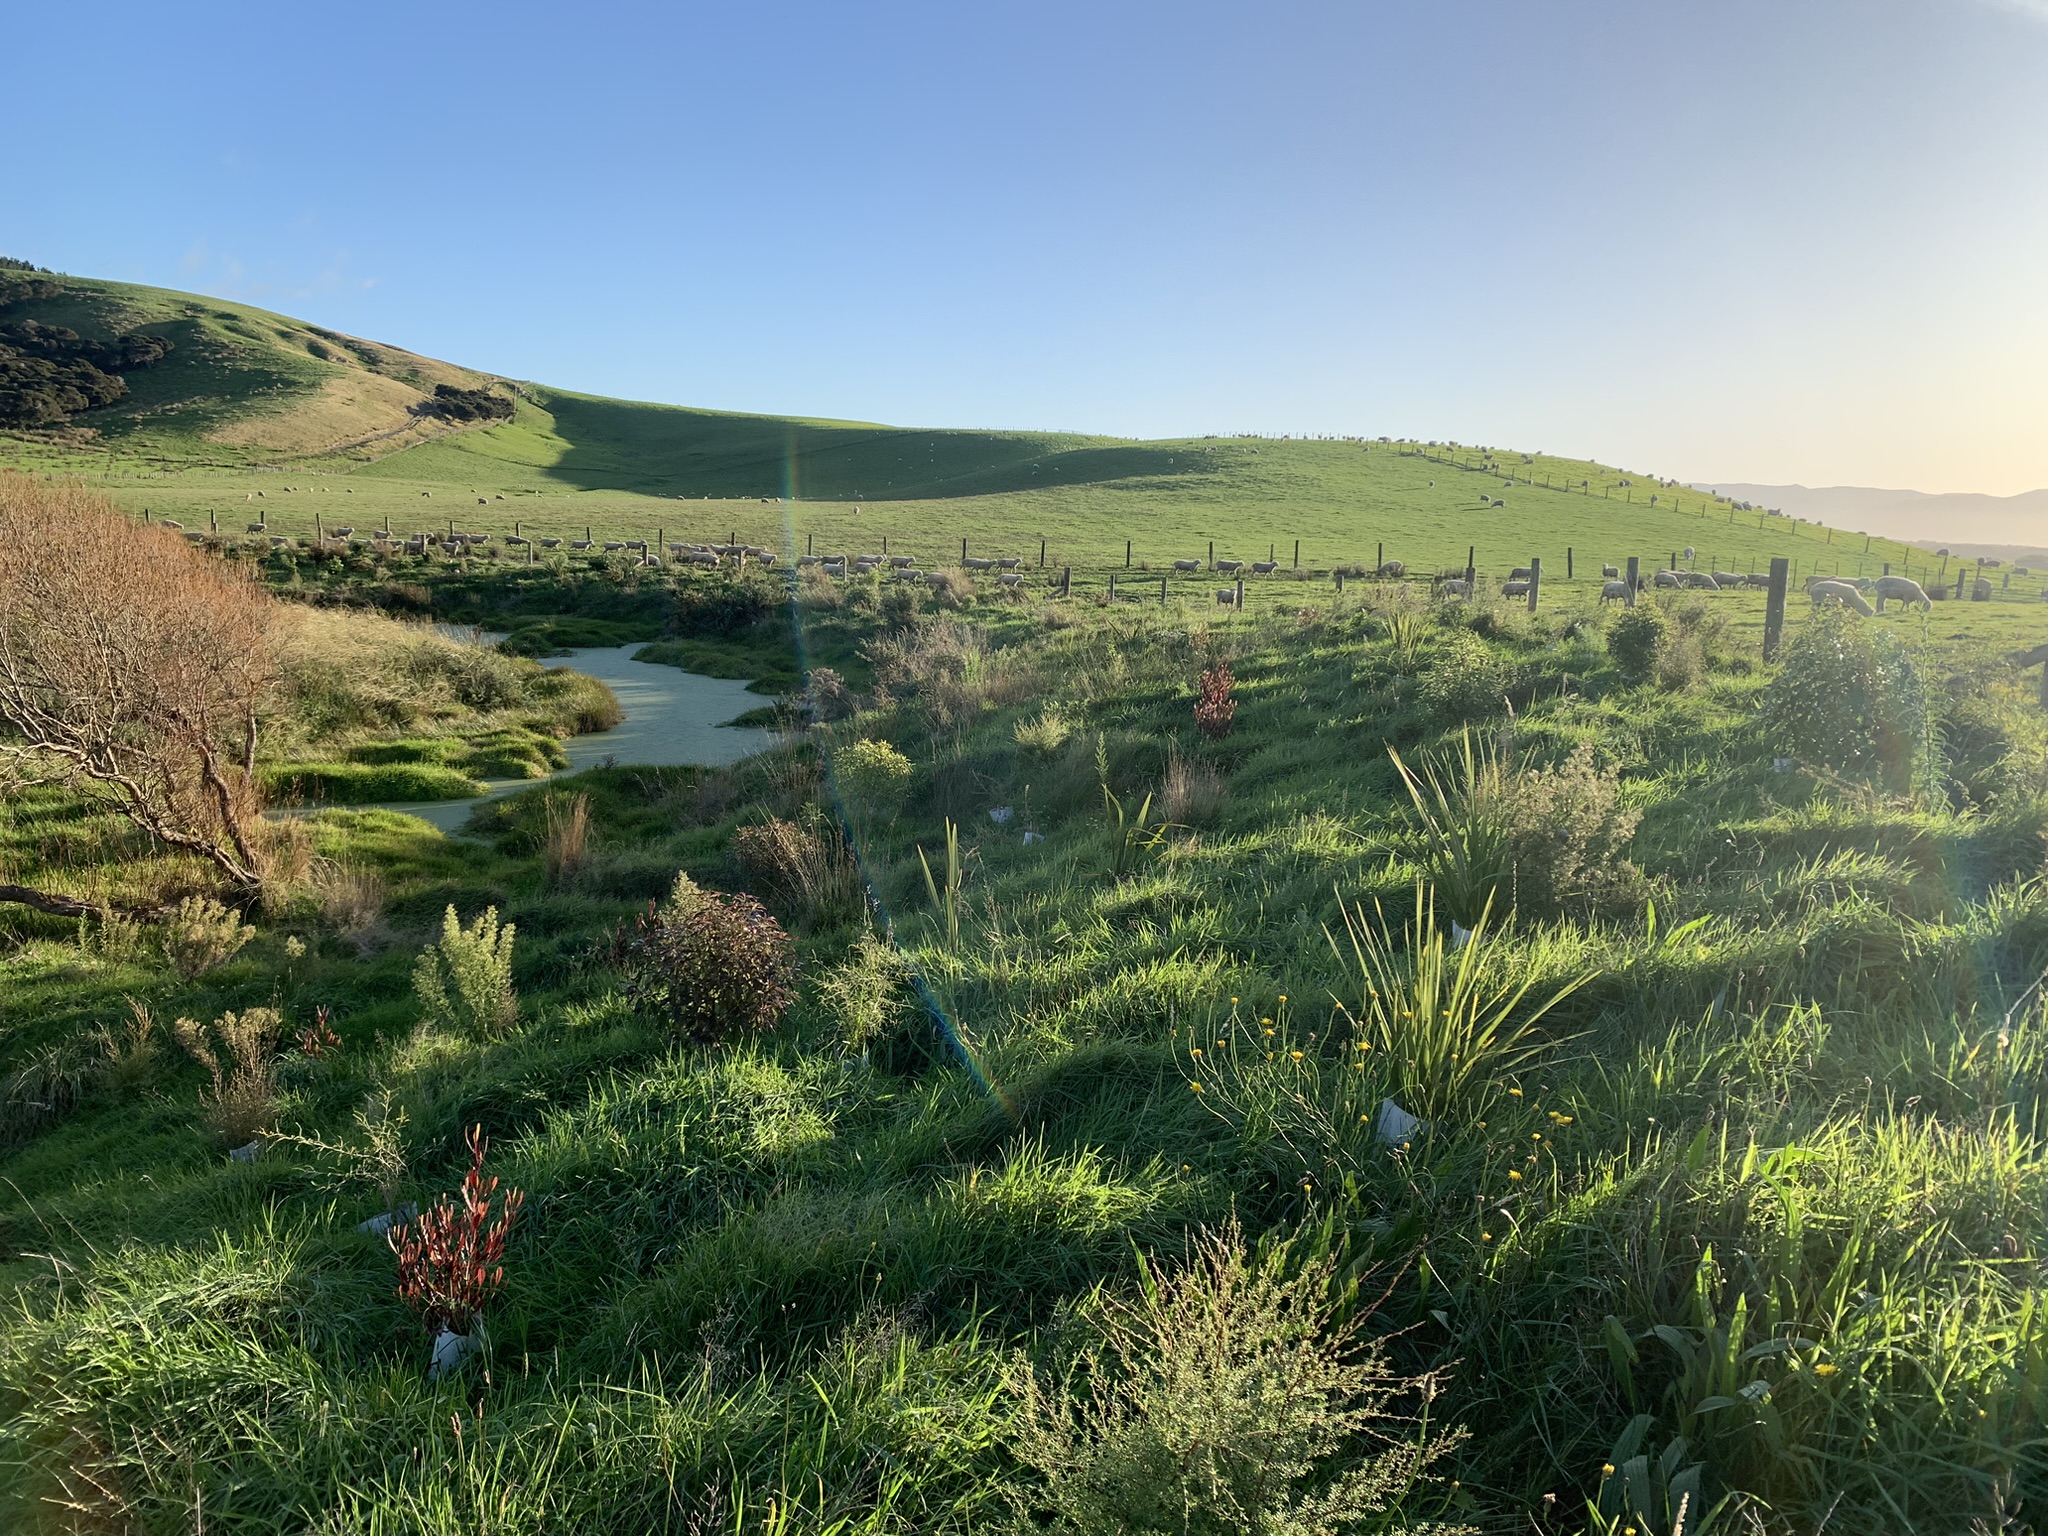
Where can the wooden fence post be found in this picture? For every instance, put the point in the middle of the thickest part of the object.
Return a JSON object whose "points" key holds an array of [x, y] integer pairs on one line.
{"points": [[1297, 554], [1774, 605], [1634, 575], [1066, 580], [1041, 554], [1127, 554], [1112, 586], [1238, 602], [1567, 562], [1535, 579]]}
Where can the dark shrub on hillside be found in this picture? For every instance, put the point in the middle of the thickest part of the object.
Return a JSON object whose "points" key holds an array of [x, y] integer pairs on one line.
{"points": [[49, 373], [1848, 697], [1633, 641], [711, 965], [453, 404]]}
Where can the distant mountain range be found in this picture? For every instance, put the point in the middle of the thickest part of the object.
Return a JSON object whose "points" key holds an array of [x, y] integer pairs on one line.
{"points": [[1960, 521]]}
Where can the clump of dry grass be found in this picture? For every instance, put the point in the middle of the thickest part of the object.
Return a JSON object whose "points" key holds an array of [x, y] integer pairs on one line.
{"points": [[1192, 793], [565, 843], [351, 899]]}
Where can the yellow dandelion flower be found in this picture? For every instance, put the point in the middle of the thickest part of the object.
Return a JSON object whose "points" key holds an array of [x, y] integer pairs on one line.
{"points": [[1486, 1237], [1295, 1054], [1197, 1087], [1233, 1002], [1283, 997], [1514, 1093], [1825, 1370], [1195, 1050], [1607, 1469], [1515, 1174]]}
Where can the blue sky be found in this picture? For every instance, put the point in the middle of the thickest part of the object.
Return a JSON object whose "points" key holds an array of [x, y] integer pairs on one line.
{"points": [[1790, 241]]}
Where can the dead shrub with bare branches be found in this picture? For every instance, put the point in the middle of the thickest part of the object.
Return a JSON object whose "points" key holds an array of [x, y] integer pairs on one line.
{"points": [[136, 668]]}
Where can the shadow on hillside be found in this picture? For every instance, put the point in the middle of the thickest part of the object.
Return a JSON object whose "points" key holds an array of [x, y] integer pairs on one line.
{"points": [[666, 450]]}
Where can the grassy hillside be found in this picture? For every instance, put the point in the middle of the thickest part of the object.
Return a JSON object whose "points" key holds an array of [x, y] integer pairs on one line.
{"points": [[254, 413], [240, 386]]}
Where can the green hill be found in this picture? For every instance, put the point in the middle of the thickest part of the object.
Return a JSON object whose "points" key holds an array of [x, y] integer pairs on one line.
{"points": [[245, 394]]}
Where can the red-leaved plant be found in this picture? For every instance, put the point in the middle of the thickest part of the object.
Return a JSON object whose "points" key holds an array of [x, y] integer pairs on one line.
{"points": [[1215, 708], [318, 1038], [450, 1259]]}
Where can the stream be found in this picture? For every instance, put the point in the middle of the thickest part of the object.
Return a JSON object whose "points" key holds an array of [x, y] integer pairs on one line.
{"points": [[673, 718]]}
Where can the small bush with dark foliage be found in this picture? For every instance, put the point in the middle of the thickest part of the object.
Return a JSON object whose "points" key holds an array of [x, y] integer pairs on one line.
{"points": [[712, 965], [1633, 641], [451, 1260], [454, 404]]}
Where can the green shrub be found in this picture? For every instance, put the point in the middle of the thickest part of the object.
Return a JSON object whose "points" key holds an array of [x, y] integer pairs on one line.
{"points": [[1224, 1399], [1633, 640], [872, 775], [465, 981], [239, 1053], [1466, 679], [864, 994], [1044, 733], [1567, 831], [1848, 697], [201, 935], [712, 965], [802, 867]]}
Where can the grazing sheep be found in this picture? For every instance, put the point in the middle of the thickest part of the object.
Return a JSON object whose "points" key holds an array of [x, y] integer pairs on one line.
{"points": [[1668, 579], [1009, 562], [1612, 590], [1901, 589], [1521, 573], [1498, 502], [1757, 579], [1455, 586], [165, 522], [257, 528], [580, 544], [1839, 592], [1610, 572], [1226, 597], [550, 543], [1011, 578], [977, 563], [1228, 567], [1392, 570], [903, 562], [1688, 548], [806, 561], [613, 546], [1698, 581], [1727, 579], [513, 538], [1980, 590], [1265, 567], [1514, 589], [1187, 565]]}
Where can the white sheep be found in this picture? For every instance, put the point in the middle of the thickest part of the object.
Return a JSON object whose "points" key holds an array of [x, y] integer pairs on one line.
{"points": [[1514, 589], [1265, 567], [1228, 567], [1392, 570], [1839, 592], [1901, 589], [1668, 579], [1613, 590], [1610, 572], [1187, 566], [1455, 586]]}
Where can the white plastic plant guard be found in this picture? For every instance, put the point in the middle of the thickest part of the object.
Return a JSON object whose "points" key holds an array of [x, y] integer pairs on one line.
{"points": [[247, 1154], [450, 1350], [1395, 1125], [1001, 815], [384, 1221]]}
